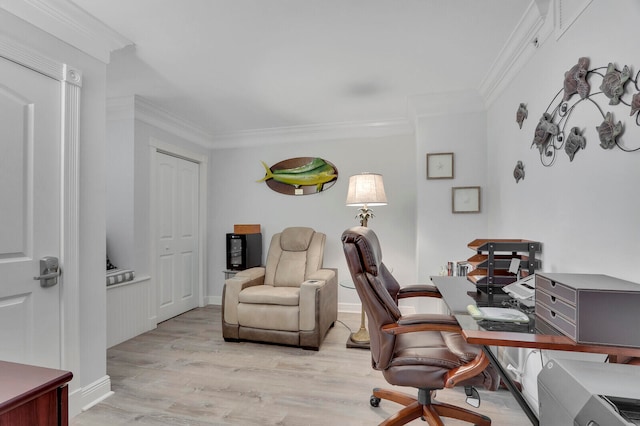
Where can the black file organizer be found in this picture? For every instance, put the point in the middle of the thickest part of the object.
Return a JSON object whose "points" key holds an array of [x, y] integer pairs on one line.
{"points": [[493, 259]]}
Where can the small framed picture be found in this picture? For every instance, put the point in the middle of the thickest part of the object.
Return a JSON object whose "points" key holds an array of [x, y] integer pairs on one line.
{"points": [[440, 165], [465, 199]]}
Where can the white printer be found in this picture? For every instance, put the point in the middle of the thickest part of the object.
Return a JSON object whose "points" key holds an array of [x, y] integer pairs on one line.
{"points": [[586, 393]]}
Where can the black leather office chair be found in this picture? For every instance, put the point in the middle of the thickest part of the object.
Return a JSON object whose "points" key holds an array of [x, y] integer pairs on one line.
{"points": [[424, 351]]}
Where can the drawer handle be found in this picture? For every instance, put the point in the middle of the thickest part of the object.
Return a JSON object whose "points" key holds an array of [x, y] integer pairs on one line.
{"points": [[553, 299], [553, 284], [553, 314]]}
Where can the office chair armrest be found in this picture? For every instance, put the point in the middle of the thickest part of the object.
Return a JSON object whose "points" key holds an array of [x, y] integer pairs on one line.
{"points": [[423, 322], [467, 371], [419, 290]]}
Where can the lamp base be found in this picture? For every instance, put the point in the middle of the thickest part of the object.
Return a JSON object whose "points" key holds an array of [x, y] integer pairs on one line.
{"points": [[351, 343], [360, 336], [360, 339]]}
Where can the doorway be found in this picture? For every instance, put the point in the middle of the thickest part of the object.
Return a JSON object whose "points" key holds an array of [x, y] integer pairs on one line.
{"points": [[178, 228], [30, 189]]}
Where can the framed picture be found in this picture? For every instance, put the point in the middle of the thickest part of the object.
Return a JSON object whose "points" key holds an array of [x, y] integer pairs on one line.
{"points": [[465, 199], [440, 165]]}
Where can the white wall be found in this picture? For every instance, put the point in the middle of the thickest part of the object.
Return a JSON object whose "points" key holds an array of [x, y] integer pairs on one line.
{"points": [[236, 197], [455, 124], [120, 159], [585, 212]]}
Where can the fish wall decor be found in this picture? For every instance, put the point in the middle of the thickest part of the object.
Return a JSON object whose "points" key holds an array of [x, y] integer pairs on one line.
{"points": [[300, 175]]}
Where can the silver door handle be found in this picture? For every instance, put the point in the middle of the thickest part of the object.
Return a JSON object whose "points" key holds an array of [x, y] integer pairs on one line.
{"points": [[49, 271], [47, 276]]}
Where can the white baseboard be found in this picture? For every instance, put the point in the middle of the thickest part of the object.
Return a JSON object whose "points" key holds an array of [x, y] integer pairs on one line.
{"points": [[213, 300], [86, 397], [350, 307]]}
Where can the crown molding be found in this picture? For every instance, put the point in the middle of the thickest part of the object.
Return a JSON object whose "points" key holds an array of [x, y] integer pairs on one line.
{"points": [[121, 108], [316, 132], [530, 33], [445, 103], [566, 13], [148, 112], [139, 108], [70, 24]]}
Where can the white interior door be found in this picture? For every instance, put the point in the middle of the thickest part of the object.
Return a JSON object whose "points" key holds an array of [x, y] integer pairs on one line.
{"points": [[30, 209], [177, 241]]}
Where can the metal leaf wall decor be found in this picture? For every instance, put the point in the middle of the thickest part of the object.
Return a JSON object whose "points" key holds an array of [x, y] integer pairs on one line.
{"points": [[618, 96]]}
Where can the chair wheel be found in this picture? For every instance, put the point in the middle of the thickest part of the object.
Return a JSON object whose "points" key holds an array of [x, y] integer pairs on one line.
{"points": [[374, 401]]}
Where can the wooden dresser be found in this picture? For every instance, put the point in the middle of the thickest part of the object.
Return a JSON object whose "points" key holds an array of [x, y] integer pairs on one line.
{"points": [[33, 396]]}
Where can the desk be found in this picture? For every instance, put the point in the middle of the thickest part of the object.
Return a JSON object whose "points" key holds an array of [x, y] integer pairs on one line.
{"points": [[457, 293], [33, 396]]}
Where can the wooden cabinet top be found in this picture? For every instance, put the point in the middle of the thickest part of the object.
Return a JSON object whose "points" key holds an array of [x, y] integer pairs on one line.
{"points": [[20, 383], [503, 245]]}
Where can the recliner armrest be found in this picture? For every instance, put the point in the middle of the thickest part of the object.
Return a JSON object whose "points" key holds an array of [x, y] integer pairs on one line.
{"points": [[233, 287], [251, 273], [419, 290], [323, 274], [322, 283]]}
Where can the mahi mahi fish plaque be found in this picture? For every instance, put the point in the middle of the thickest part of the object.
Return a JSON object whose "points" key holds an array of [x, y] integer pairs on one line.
{"points": [[300, 176]]}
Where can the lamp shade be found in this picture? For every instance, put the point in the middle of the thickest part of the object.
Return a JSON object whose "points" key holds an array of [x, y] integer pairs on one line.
{"points": [[366, 189]]}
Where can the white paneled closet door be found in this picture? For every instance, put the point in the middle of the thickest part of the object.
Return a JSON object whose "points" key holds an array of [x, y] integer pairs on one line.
{"points": [[177, 235]]}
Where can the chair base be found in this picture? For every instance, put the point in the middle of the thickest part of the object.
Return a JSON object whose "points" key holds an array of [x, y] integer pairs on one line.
{"points": [[431, 411]]}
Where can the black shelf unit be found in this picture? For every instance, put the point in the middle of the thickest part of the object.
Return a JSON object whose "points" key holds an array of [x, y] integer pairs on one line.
{"points": [[493, 259]]}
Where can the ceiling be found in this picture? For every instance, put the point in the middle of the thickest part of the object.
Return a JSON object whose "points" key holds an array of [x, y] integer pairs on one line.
{"points": [[232, 66]]}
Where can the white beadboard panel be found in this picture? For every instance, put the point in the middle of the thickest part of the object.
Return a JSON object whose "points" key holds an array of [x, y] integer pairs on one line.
{"points": [[127, 311]]}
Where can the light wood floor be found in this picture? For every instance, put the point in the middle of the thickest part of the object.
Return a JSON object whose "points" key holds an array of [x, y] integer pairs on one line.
{"points": [[184, 373]]}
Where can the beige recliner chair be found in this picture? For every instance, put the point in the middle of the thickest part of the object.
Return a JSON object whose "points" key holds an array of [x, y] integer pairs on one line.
{"points": [[290, 301]]}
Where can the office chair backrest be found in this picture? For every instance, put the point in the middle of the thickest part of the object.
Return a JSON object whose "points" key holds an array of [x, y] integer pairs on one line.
{"points": [[376, 287]]}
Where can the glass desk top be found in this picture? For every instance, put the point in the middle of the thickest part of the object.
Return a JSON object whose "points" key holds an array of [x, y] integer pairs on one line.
{"points": [[347, 284], [458, 293]]}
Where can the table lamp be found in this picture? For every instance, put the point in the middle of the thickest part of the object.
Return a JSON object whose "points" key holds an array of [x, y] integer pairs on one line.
{"points": [[365, 189]]}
